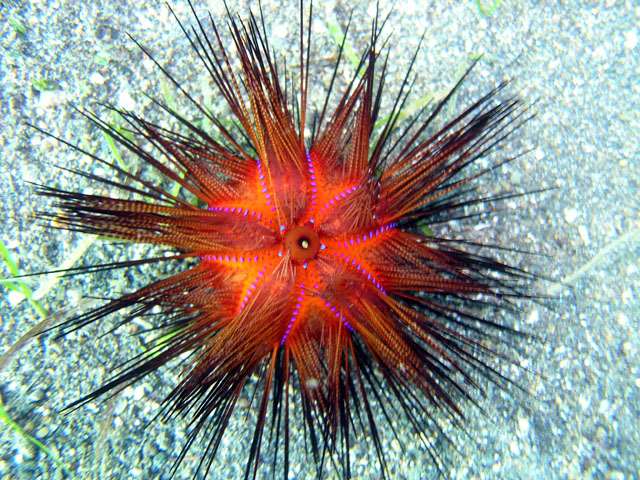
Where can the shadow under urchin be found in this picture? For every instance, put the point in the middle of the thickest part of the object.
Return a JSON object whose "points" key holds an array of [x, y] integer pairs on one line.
{"points": [[311, 276]]}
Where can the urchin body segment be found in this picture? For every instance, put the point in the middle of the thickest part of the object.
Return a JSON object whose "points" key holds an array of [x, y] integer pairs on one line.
{"points": [[309, 266]]}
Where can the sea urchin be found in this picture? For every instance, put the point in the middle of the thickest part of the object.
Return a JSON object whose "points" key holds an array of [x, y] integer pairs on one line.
{"points": [[309, 274]]}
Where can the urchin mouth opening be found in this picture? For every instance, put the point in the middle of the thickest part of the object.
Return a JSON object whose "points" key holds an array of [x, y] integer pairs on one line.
{"points": [[302, 242]]}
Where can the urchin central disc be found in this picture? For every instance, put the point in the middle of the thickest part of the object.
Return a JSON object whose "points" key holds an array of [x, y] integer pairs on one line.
{"points": [[302, 242]]}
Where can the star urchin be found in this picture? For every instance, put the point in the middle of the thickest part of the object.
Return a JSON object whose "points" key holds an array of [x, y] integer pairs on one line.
{"points": [[308, 262]]}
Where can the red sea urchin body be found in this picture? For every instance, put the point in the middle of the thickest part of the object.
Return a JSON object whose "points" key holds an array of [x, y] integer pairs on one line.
{"points": [[314, 243]]}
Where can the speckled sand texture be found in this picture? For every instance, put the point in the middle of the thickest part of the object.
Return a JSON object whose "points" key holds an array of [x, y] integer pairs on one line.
{"points": [[577, 63]]}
